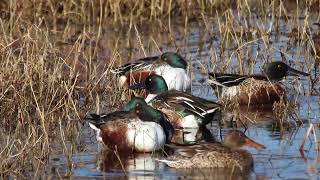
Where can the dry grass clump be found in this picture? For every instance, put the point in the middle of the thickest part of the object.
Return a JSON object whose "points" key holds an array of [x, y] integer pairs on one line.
{"points": [[45, 90], [282, 110], [127, 11]]}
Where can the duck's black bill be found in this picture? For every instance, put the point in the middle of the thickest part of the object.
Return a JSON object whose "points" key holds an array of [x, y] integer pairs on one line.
{"points": [[94, 119], [294, 72], [92, 116], [137, 86]]}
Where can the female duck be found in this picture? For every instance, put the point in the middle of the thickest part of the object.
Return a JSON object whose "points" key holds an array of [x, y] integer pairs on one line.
{"points": [[216, 155]]}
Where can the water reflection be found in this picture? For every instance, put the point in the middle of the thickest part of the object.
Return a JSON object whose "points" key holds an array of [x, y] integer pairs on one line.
{"points": [[266, 116], [129, 165], [145, 166]]}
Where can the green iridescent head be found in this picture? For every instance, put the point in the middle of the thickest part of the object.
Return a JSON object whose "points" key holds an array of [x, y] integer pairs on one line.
{"points": [[155, 84], [278, 70], [132, 104], [174, 60]]}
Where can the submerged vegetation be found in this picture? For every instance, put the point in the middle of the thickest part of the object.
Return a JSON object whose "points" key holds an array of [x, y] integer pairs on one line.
{"points": [[56, 55]]}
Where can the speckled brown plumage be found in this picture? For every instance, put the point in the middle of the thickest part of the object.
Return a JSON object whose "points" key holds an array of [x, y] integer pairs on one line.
{"points": [[215, 155]]}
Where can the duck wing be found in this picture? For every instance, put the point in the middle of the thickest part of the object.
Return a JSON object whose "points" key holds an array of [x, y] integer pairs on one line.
{"points": [[140, 64], [185, 101], [100, 119], [219, 79]]}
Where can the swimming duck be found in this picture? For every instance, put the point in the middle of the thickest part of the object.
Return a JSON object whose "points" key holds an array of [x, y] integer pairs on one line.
{"points": [[254, 89], [216, 155], [143, 129], [170, 65], [183, 109]]}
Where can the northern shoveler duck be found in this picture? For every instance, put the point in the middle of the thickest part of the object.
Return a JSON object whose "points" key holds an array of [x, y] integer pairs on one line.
{"points": [[216, 155], [143, 129], [183, 109], [171, 66], [254, 89]]}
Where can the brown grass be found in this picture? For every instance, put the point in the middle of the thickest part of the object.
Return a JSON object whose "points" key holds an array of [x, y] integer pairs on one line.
{"points": [[56, 55]]}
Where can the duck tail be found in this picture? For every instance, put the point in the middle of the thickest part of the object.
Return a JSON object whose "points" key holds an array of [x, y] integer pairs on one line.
{"points": [[214, 83], [140, 64], [122, 70], [119, 70], [94, 120], [170, 163], [177, 163]]}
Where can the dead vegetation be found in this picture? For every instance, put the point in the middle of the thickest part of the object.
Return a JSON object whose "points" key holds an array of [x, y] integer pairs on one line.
{"points": [[56, 55]]}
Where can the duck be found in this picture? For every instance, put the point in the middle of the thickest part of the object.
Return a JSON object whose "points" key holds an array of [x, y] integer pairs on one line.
{"points": [[170, 65], [143, 129], [183, 109], [228, 154], [254, 90]]}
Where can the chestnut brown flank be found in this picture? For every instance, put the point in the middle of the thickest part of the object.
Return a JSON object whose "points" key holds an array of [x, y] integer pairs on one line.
{"points": [[115, 134], [260, 94]]}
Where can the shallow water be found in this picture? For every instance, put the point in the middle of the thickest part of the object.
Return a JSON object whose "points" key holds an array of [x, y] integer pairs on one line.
{"points": [[280, 160]]}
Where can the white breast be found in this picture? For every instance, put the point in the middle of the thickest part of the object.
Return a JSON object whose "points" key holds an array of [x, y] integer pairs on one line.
{"points": [[190, 121], [176, 78], [145, 136], [191, 136]]}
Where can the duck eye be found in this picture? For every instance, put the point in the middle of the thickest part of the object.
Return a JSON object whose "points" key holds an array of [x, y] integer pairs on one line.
{"points": [[279, 66], [164, 58]]}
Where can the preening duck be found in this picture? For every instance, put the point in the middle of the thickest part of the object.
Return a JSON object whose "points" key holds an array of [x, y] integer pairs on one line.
{"points": [[143, 129]]}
